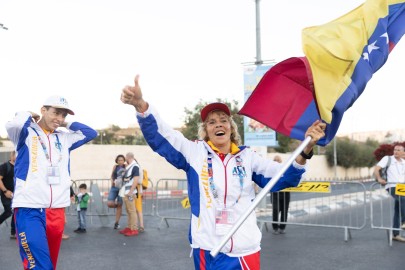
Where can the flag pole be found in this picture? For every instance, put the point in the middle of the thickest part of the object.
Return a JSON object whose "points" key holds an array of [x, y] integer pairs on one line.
{"points": [[260, 196]]}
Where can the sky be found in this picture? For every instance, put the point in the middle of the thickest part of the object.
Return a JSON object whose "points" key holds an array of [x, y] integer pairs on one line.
{"points": [[184, 50]]}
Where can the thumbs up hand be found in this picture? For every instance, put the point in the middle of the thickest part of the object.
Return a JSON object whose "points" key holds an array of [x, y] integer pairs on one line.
{"points": [[132, 95]]}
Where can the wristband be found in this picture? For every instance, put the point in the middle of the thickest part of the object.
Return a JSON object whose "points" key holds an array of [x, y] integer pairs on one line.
{"points": [[307, 156]]}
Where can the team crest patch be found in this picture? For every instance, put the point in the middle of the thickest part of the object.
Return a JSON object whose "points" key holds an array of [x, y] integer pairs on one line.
{"points": [[239, 169]]}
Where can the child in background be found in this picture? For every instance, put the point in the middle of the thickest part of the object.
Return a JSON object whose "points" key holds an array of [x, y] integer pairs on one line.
{"points": [[82, 199]]}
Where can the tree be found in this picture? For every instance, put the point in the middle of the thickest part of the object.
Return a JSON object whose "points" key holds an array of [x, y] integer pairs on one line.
{"points": [[115, 128], [104, 137], [365, 157], [193, 118], [286, 144], [139, 140], [345, 153], [386, 150], [351, 153]]}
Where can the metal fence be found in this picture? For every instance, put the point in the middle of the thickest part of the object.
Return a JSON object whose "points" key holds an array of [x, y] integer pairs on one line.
{"points": [[343, 207], [382, 207], [170, 194]]}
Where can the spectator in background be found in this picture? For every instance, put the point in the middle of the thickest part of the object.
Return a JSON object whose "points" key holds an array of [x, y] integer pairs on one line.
{"points": [[82, 200], [395, 174], [115, 201], [7, 189], [281, 202], [133, 177], [138, 202]]}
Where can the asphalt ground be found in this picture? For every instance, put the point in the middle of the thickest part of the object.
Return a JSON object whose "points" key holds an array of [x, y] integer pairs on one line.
{"points": [[302, 247]]}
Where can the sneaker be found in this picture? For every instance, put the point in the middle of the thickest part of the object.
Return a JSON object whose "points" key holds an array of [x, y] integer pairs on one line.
{"points": [[398, 238], [131, 233], [65, 236], [282, 231], [403, 226], [125, 230], [116, 226], [78, 230], [276, 232], [12, 236]]}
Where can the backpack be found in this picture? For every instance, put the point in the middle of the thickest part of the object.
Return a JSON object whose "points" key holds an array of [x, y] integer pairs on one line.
{"points": [[383, 171], [126, 187], [145, 179]]}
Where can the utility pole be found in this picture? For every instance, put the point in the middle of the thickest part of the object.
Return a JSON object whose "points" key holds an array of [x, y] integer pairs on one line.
{"points": [[335, 157], [259, 60]]}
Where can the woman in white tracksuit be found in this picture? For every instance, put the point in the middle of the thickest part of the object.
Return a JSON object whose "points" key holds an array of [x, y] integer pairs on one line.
{"points": [[219, 174]]}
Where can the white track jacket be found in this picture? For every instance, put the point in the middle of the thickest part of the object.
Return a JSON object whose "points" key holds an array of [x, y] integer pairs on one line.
{"points": [[32, 189], [192, 157]]}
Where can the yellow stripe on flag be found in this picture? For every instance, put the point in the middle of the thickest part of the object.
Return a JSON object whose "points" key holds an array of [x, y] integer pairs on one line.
{"points": [[334, 49]]}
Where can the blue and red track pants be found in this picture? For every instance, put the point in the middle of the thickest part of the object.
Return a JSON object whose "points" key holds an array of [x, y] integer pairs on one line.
{"points": [[204, 261], [39, 236]]}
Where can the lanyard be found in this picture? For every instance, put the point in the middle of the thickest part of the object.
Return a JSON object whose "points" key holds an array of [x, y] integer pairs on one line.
{"points": [[241, 172], [58, 145]]}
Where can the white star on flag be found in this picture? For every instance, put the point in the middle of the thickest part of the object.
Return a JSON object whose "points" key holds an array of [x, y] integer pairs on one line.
{"points": [[372, 47]]}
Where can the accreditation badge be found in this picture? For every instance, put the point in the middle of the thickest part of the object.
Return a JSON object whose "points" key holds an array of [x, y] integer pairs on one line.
{"points": [[224, 220], [53, 175]]}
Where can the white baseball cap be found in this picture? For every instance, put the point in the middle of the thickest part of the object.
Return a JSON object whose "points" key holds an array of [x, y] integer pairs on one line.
{"points": [[58, 102]]}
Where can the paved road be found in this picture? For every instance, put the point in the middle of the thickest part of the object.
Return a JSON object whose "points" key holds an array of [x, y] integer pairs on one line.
{"points": [[304, 248]]}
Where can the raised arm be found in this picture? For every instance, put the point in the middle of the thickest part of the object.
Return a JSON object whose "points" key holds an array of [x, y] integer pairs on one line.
{"points": [[316, 131]]}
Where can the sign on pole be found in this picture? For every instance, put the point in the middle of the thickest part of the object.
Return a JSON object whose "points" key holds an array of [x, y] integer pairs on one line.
{"points": [[256, 134]]}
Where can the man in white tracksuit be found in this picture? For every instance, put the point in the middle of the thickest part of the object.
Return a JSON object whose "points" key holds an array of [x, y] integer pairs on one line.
{"points": [[42, 178]]}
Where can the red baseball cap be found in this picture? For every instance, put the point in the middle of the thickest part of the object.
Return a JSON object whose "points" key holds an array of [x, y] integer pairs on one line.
{"points": [[216, 106]]}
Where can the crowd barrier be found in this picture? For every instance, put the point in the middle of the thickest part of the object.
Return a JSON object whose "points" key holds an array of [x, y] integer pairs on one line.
{"points": [[334, 204], [171, 200], [344, 206], [382, 206]]}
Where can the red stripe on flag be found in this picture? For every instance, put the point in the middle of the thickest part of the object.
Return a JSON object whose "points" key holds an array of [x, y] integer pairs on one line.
{"points": [[282, 96]]}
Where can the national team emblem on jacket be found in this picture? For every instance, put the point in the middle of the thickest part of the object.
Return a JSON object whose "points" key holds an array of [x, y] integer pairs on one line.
{"points": [[239, 170], [58, 146]]}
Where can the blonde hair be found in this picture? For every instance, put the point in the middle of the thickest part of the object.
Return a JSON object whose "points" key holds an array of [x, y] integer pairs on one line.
{"points": [[235, 137]]}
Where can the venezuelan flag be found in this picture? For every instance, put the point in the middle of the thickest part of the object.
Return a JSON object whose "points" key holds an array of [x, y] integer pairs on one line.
{"points": [[341, 56]]}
